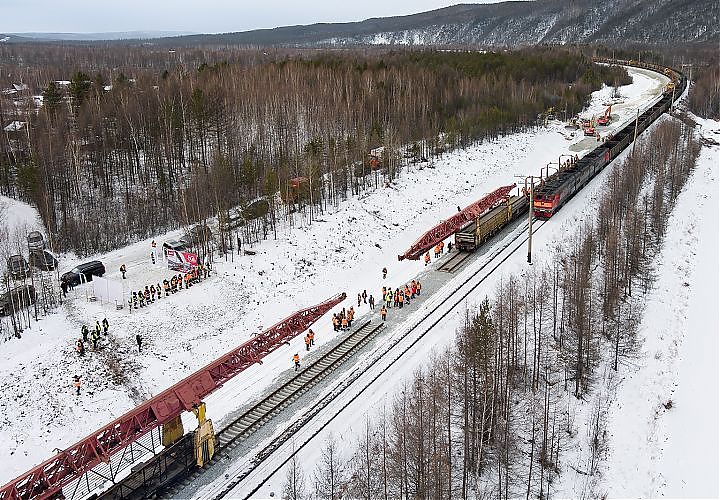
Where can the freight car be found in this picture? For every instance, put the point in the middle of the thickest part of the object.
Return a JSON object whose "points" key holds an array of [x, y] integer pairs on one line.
{"points": [[475, 233], [562, 186]]}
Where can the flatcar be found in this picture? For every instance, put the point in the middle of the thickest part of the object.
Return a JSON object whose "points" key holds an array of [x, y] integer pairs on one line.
{"points": [[562, 186], [475, 233]]}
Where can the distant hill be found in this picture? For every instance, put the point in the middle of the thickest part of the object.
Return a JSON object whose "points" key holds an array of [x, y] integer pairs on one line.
{"points": [[81, 37], [505, 24]]}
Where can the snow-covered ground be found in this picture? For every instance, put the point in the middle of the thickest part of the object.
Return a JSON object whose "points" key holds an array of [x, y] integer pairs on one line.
{"points": [[663, 422], [343, 251], [347, 425]]}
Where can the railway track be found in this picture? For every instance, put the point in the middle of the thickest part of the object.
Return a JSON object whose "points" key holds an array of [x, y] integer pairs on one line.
{"points": [[426, 324], [454, 262], [267, 408], [287, 394]]}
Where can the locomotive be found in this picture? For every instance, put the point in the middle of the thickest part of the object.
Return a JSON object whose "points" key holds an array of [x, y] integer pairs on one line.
{"points": [[562, 185]]}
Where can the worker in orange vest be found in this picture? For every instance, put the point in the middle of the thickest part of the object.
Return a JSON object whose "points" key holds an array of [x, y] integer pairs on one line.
{"points": [[296, 360], [418, 288], [311, 334], [76, 384], [442, 246], [427, 258], [383, 313], [344, 323], [401, 299], [307, 342]]}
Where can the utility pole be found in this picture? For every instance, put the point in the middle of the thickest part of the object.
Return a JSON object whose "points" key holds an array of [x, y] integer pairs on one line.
{"points": [[530, 212], [637, 117], [530, 221]]}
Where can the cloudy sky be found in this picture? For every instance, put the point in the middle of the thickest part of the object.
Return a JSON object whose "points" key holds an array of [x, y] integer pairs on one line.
{"points": [[202, 16]]}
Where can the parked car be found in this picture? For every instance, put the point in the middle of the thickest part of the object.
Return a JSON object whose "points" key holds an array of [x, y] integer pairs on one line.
{"points": [[83, 272], [177, 245], [17, 298], [36, 241], [18, 267], [43, 259]]}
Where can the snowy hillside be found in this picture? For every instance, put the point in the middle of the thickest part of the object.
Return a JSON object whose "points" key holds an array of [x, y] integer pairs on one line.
{"points": [[506, 24]]}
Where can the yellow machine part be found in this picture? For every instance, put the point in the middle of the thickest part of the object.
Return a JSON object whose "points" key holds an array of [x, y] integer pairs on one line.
{"points": [[199, 412], [172, 431], [204, 442]]}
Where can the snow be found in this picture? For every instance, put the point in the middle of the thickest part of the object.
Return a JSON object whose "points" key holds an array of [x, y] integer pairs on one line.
{"points": [[363, 404], [343, 250], [673, 452], [14, 126], [17, 217]]}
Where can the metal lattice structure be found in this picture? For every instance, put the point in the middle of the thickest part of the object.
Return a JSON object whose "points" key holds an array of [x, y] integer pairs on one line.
{"points": [[455, 223], [48, 478]]}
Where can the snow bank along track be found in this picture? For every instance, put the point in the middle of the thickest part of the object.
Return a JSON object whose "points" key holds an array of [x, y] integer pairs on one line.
{"points": [[48, 478]]}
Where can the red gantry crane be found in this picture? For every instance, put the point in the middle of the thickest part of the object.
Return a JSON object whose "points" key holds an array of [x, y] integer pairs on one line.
{"points": [[48, 478], [455, 223]]}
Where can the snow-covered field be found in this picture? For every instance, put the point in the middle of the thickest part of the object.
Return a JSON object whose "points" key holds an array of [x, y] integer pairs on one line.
{"points": [[343, 251], [663, 422]]}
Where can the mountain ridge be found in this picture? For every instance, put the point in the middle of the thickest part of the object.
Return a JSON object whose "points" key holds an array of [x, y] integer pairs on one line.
{"points": [[511, 23]]}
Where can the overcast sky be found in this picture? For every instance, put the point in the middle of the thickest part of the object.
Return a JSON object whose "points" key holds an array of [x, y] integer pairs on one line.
{"points": [[202, 16]]}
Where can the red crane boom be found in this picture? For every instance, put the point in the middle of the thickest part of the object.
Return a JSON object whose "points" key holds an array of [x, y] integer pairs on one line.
{"points": [[51, 476], [454, 223]]}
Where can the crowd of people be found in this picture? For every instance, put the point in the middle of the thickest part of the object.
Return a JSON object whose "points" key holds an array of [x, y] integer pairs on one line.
{"points": [[399, 297], [91, 336], [390, 298], [177, 282]]}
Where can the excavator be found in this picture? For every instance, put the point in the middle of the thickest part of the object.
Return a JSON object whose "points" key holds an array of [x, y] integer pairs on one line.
{"points": [[605, 119], [588, 127]]}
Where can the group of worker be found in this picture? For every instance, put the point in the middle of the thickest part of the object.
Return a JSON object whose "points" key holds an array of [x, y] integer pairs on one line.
{"points": [[309, 341], [363, 298], [91, 336], [399, 297], [343, 320], [176, 283]]}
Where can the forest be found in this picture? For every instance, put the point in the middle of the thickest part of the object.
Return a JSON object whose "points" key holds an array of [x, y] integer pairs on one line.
{"points": [[490, 417], [167, 139]]}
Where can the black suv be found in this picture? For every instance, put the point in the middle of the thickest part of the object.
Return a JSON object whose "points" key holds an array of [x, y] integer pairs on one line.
{"points": [[16, 299], [18, 267], [177, 245], [83, 272], [44, 260]]}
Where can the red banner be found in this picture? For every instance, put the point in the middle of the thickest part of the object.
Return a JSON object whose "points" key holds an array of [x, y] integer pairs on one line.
{"points": [[181, 261]]}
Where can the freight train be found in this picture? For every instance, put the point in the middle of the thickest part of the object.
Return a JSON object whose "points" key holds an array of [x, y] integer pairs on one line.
{"points": [[562, 185], [475, 233]]}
